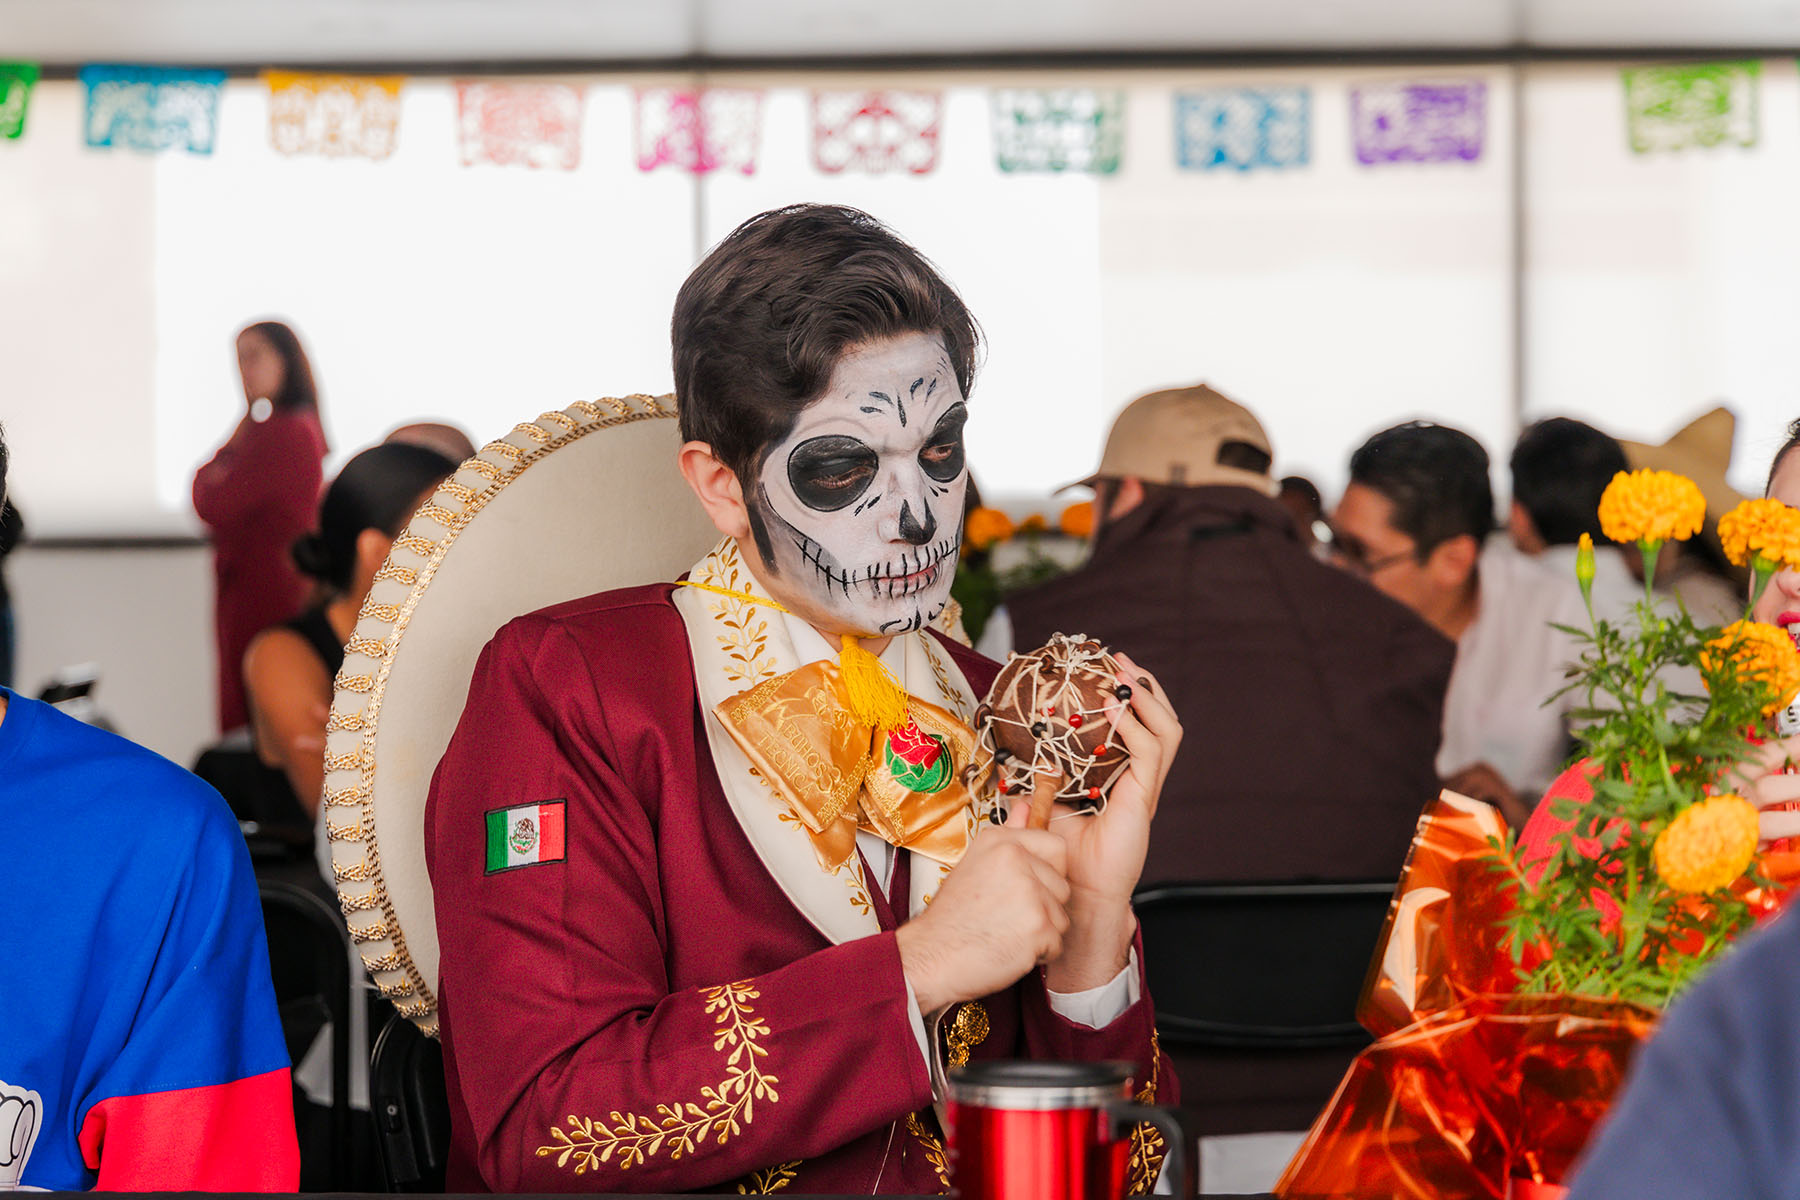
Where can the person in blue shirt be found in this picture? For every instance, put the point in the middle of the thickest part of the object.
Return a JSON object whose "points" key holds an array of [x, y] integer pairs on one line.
{"points": [[140, 1047]]}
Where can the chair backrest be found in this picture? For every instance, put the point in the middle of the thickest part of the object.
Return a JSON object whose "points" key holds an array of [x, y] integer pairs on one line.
{"points": [[1260, 964], [309, 961], [411, 1106]]}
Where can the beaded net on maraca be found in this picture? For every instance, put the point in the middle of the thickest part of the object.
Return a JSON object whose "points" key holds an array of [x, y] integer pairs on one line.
{"points": [[1046, 716]]}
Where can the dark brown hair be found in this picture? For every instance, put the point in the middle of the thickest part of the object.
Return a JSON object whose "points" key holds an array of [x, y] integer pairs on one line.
{"points": [[297, 391], [1436, 478], [764, 318], [1793, 441], [378, 489]]}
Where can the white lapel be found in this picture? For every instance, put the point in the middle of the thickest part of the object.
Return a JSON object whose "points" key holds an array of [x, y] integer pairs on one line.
{"points": [[738, 643]]}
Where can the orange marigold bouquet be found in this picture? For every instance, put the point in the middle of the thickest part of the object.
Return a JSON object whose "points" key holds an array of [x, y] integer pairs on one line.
{"points": [[1654, 875], [1512, 987]]}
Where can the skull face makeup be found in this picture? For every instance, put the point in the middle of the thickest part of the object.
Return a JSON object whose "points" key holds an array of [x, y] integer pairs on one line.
{"points": [[858, 510]]}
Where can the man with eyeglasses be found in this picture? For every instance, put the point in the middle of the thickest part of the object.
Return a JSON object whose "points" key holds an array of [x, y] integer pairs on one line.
{"points": [[1415, 521]]}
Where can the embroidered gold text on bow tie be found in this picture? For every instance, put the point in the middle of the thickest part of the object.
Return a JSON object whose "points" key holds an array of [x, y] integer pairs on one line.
{"points": [[838, 773]]}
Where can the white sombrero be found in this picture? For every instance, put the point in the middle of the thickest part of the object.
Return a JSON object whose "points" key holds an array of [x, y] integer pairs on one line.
{"points": [[576, 502]]}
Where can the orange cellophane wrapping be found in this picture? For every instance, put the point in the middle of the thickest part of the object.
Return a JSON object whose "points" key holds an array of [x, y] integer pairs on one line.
{"points": [[1470, 1089]]}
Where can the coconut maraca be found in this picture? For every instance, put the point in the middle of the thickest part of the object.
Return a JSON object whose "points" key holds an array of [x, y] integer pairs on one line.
{"points": [[1045, 720]]}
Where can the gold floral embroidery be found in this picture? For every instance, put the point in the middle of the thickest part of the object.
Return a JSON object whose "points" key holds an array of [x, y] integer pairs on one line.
{"points": [[682, 1126], [934, 1149], [771, 1180], [952, 695], [1147, 1148], [967, 1031], [746, 641], [859, 895]]}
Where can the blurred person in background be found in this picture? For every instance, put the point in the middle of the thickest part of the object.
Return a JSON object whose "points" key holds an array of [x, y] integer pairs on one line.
{"points": [[288, 673], [140, 1046], [1318, 701], [1415, 521], [12, 532], [1300, 496], [448, 440], [256, 495], [288, 669], [1199, 572], [1560, 468]]}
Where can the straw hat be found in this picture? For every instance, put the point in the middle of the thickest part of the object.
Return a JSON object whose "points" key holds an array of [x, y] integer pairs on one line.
{"points": [[1701, 450], [574, 502]]}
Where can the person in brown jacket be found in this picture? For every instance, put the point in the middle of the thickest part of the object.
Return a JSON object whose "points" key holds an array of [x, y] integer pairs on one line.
{"points": [[1315, 702], [1314, 705]]}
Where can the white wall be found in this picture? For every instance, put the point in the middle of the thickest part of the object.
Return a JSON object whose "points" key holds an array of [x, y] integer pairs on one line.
{"points": [[143, 616], [1661, 285], [78, 323], [422, 288], [1334, 299]]}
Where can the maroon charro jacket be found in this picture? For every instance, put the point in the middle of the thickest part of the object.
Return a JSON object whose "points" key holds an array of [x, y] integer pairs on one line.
{"points": [[653, 1014]]}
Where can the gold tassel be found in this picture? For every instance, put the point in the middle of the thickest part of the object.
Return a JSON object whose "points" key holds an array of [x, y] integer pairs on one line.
{"points": [[875, 696]]}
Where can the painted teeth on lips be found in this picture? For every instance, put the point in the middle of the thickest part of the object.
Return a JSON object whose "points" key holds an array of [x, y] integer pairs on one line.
{"points": [[1788, 618]]}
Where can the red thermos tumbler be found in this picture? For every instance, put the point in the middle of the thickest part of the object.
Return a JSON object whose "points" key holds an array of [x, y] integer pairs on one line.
{"points": [[1051, 1131]]}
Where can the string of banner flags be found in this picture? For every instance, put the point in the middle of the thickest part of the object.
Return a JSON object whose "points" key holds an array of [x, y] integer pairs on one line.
{"points": [[718, 129]]}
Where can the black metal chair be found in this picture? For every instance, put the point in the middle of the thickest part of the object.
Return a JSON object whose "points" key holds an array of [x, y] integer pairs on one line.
{"points": [[411, 1106], [309, 959], [1255, 987], [274, 824]]}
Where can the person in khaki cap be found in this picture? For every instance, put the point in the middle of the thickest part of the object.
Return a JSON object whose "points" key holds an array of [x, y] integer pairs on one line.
{"points": [[1314, 702]]}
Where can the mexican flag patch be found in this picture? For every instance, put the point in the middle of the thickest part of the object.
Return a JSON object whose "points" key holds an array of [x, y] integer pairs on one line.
{"points": [[524, 836]]}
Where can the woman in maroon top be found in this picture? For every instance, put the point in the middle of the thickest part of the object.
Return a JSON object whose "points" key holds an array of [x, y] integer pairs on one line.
{"points": [[257, 495]]}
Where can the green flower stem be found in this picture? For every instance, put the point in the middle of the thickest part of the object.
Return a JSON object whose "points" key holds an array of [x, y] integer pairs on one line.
{"points": [[1650, 548]]}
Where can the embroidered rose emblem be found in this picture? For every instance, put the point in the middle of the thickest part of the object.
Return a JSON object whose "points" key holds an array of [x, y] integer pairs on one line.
{"points": [[918, 761]]}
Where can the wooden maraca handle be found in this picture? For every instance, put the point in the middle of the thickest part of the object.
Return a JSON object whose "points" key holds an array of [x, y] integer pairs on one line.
{"points": [[1043, 800]]}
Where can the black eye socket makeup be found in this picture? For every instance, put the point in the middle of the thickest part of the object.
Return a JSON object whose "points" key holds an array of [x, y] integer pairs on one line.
{"points": [[942, 457], [829, 473]]}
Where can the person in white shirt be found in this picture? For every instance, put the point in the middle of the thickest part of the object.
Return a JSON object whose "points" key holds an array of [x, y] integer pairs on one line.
{"points": [[1415, 521]]}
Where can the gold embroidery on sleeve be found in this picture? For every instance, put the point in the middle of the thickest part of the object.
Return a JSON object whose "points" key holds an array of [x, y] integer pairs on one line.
{"points": [[770, 1180], [934, 1149], [1147, 1148], [683, 1125]]}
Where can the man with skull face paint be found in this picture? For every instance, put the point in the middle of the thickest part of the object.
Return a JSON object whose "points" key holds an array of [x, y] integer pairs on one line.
{"points": [[846, 509], [732, 975]]}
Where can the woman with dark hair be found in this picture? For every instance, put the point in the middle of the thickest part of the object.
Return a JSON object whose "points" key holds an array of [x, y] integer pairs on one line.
{"points": [[257, 495], [288, 669]]}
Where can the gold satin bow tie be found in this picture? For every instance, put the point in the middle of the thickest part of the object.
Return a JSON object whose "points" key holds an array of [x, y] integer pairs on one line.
{"points": [[838, 773]]}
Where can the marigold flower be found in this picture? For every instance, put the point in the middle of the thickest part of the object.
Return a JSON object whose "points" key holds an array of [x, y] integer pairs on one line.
{"points": [[985, 526], [1762, 529], [1651, 506], [1035, 523], [1708, 845], [1077, 520], [1764, 653]]}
